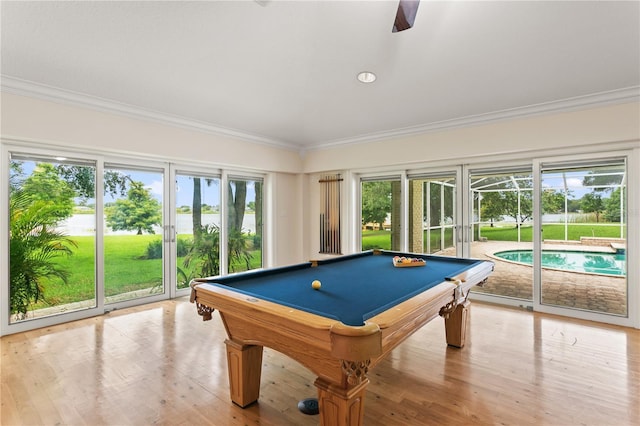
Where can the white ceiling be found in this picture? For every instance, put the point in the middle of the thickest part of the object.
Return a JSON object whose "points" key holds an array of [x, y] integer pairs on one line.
{"points": [[285, 72]]}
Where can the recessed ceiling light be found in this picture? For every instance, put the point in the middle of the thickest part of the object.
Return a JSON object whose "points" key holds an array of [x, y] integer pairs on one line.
{"points": [[366, 77]]}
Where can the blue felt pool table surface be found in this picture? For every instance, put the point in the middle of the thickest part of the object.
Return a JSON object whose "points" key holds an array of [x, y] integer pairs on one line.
{"points": [[353, 289]]}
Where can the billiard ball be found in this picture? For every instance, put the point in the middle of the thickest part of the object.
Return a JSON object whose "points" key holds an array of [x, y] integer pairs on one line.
{"points": [[316, 284]]}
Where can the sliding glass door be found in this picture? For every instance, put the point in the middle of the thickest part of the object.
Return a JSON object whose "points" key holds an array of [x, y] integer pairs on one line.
{"points": [[244, 223], [555, 228], [134, 220], [52, 236], [433, 214], [381, 213], [501, 226], [557, 234], [85, 236], [196, 233], [583, 256], [89, 233]]}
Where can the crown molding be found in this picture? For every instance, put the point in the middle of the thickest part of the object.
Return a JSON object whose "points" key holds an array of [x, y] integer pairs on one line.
{"points": [[31, 89], [40, 91], [618, 96]]}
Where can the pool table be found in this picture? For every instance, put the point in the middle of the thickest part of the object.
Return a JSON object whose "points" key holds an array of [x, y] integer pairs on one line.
{"points": [[366, 305]]}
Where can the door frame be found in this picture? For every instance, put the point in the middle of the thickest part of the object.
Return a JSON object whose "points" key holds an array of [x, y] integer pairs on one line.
{"points": [[171, 234], [145, 165], [468, 170], [6, 327], [633, 284]]}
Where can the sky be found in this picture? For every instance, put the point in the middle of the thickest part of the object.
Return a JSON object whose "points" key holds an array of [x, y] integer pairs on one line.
{"points": [[153, 180]]}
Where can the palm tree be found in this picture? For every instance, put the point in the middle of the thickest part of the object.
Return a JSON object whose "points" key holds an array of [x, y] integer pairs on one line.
{"points": [[33, 245]]}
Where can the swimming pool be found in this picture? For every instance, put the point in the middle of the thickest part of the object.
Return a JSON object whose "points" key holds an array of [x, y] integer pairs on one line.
{"points": [[575, 261]]}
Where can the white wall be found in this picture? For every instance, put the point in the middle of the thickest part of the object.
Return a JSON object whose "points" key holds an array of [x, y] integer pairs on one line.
{"points": [[568, 129], [42, 121], [287, 228]]}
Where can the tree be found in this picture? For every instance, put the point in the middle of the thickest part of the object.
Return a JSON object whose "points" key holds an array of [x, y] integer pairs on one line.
{"points": [[196, 216], [505, 195], [138, 212], [592, 203], [376, 202], [553, 201], [496, 204], [491, 207], [83, 180], [257, 208], [197, 206], [45, 185], [237, 251], [612, 207], [236, 204]]}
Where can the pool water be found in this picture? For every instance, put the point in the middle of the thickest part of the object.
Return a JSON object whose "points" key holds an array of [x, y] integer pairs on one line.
{"points": [[576, 261]]}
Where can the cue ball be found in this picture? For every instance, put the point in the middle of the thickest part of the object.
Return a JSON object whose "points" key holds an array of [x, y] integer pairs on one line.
{"points": [[316, 284]]}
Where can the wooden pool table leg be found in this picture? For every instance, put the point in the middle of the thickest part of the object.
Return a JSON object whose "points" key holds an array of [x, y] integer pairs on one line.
{"points": [[456, 324], [245, 367], [339, 406]]}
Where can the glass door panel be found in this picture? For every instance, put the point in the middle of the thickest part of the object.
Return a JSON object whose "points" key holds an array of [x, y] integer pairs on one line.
{"points": [[432, 215], [381, 204], [52, 248], [133, 237], [502, 229], [583, 263], [197, 228], [244, 224]]}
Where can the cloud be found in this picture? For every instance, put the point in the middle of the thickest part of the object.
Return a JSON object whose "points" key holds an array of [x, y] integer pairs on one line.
{"points": [[156, 188], [574, 183]]}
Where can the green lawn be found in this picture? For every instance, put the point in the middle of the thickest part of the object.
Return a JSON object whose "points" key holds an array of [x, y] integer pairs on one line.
{"points": [[382, 239], [126, 269], [551, 232]]}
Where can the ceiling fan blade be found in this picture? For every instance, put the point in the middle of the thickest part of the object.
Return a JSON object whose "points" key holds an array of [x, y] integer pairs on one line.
{"points": [[406, 15]]}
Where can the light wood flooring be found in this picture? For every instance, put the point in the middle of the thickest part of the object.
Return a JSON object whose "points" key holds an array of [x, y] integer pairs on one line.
{"points": [[161, 364]]}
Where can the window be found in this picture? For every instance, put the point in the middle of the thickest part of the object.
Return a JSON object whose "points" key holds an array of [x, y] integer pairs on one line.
{"points": [[381, 206], [244, 224], [52, 222]]}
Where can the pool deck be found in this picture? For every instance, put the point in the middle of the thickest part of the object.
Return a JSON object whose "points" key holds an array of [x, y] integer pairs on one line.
{"points": [[593, 292]]}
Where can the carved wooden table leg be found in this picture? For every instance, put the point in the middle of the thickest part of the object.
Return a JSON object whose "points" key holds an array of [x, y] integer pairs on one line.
{"points": [[340, 406], [456, 324], [245, 367]]}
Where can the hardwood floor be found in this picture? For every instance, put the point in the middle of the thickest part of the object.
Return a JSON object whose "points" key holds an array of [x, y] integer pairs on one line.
{"points": [[161, 364]]}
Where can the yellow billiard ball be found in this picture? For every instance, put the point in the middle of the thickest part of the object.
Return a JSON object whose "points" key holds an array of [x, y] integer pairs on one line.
{"points": [[316, 284]]}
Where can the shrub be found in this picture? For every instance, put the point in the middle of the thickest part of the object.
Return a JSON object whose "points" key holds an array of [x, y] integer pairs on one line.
{"points": [[154, 249]]}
